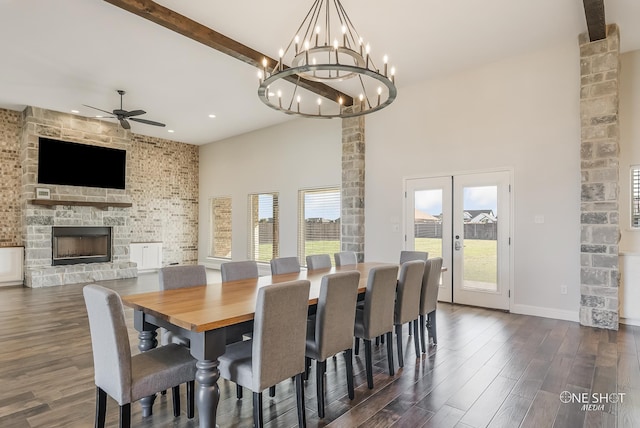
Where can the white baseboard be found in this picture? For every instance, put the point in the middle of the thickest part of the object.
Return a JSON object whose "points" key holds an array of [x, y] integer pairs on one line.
{"points": [[630, 321], [539, 311]]}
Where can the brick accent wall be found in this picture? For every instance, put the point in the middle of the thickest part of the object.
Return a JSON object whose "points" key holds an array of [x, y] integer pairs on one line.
{"points": [[599, 154], [352, 211], [10, 174], [164, 191]]}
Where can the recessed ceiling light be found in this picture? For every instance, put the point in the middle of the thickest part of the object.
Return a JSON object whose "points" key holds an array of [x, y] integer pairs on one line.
{"points": [[212, 116], [75, 111], [170, 130]]}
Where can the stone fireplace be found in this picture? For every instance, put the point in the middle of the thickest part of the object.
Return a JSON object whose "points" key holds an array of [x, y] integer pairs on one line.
{"points": [[81, 234]]}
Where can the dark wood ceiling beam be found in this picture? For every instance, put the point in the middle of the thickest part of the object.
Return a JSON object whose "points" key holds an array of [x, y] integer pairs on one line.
{"points": [[194, 30], [596, 24]]}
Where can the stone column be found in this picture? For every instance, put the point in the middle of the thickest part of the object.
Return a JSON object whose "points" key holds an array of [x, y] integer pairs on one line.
{"points": [[599, 152], [352, 211]]}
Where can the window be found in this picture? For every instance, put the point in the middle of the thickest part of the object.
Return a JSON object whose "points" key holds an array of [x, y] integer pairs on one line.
{"points": [[319, 222], [263, 227], [635, 197], [220, 220]]}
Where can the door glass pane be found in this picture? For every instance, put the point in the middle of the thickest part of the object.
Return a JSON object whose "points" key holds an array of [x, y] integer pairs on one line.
{"points": [[427, 223], [480, 238]]}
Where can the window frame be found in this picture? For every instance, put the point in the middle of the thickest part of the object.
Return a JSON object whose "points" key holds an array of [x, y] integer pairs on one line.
{"points": [[253, 222], [302, 251]]}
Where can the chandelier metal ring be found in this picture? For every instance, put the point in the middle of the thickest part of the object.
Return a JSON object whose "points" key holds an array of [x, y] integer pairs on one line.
{"points": [[263, 92]]}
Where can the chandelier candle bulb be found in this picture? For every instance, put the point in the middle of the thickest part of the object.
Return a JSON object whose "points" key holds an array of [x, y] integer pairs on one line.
{"points": [[317, 34], [379, 93], [385, 60], [281, 54], [298, 100], [264, 66], [280, 98], [319, 105], [393, 75], [296, 41]]}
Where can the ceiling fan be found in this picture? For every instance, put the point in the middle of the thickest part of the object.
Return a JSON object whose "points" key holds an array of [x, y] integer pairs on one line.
{"points": [[123, 115]]}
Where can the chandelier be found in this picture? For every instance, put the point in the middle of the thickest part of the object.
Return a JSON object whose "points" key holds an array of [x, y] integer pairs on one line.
{"points": [[327, 56]]}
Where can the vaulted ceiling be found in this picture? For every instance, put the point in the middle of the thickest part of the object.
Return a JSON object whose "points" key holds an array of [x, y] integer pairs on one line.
{"points": [[62, 54]]}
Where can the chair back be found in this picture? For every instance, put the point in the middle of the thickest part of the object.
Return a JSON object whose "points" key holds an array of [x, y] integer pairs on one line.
{"points": [[279, 333], [336, 313], [379, 301], [236, 271], [284, 265], [345, 258], [408, 293], [407, 256], [109, 341], [430, 285], [318, 261], [182, 276]]}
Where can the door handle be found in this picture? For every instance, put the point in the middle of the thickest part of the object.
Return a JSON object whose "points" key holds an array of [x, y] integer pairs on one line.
{"points": [[457, 246]]}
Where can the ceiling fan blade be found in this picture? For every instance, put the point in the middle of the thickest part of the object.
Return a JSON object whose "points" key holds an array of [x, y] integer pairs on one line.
{"points": [[99, 109], [133, 113], [148, 122], [125, 124], [119, 112]]}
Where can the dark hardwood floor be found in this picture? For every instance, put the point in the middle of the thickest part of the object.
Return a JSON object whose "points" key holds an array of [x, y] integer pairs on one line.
{"points": [[490, 369]]}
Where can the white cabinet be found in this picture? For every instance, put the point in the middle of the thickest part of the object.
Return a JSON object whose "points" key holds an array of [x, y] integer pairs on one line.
{"points": [[629, 291], [148, 255], [11, 265]]}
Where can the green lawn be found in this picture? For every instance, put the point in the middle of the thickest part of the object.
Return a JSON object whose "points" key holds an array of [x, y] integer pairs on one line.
{"points": [[480, 257]]}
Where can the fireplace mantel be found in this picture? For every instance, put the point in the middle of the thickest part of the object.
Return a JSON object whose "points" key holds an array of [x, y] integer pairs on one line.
{"points": [[101, 205]]}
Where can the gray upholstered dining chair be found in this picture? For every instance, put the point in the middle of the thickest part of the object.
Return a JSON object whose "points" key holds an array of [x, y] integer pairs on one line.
{"points": [[172, 277], [318, 261], [331, 330], [236, 271], [375, 318], [345, 258], [407, 256], [277, 349], [429, 300], [407, 307], [282, 265], [129, 378]]}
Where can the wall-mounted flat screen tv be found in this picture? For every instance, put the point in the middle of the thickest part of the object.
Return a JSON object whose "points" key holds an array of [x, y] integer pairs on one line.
{"points": [[73, 164]]}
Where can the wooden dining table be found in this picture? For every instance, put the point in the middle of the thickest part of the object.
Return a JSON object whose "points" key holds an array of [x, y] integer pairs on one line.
{"points": [[208, 315]]}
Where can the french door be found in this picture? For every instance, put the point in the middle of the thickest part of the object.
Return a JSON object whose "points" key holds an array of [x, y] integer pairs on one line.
{"points": [[465, 219]]}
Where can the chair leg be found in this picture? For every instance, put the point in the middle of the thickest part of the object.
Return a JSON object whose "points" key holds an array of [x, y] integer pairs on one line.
{"points": [[409, 327], [416, 337], [320, 369], [258, 419], [175, 394], [422, 325], [101, 407], [399, 340], [125, 416], [390, 353], [357, 347], [431, 326], [368, 362], [348, 362], [272, 391], [190, 398], [307, 367], [302, 417], [238, 392]]}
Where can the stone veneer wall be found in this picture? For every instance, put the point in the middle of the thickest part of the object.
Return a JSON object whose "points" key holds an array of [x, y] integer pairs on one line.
{"points": [[352, 211], [162, 185], [10, 175], [599, 154], [164, 191]]}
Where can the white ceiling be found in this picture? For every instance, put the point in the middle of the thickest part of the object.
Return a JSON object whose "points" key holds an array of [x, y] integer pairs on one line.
{"points": [[62, 54]]}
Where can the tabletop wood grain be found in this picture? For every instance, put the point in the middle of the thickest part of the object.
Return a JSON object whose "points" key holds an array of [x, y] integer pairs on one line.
{"points": [[213, 306]]}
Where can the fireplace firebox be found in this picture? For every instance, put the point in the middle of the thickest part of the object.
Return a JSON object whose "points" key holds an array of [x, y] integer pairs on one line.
{"points": [[74, 245]]}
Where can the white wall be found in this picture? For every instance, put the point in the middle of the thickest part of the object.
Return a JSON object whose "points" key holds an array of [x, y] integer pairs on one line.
{"points": [[522, 114], [302, 153], [629, 145]]}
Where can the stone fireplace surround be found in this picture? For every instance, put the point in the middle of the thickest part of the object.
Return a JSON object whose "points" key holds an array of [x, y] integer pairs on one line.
{"points": [[38, 220]]}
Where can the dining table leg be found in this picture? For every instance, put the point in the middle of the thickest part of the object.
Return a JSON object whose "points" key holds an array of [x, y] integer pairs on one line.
{"points": [[147, 341], [206, 347]]}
